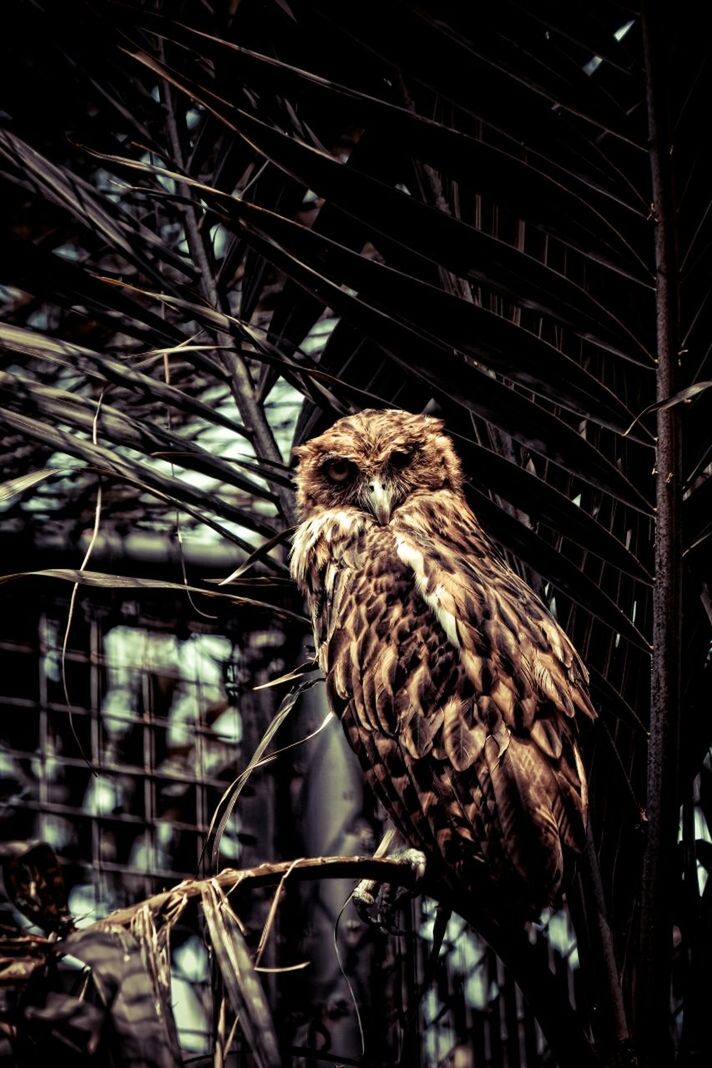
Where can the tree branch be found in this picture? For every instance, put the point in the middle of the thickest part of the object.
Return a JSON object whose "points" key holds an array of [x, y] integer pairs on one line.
{"points": [[306, 869]]}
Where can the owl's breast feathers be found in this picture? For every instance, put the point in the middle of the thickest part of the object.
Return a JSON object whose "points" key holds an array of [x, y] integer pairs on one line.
{"points": [[457, 690]]}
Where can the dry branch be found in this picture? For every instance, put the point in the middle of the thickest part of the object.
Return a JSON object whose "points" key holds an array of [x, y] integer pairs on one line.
{"points": [[396, 872]]}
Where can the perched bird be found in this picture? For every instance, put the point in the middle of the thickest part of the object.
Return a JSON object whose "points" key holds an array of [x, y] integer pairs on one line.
{"points": [[457, 689]]}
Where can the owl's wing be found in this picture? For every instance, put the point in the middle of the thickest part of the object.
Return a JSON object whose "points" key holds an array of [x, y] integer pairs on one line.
{"points": [[529, 682], [513, 650]]}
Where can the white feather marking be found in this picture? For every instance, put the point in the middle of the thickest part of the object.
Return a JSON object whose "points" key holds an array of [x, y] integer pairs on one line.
{"points": [[436, 598], [581, 771], [308, 533]]}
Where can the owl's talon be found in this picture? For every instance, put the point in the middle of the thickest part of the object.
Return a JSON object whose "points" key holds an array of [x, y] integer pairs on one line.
{"points": [[415, 859], [365, 899], [377, 903]]}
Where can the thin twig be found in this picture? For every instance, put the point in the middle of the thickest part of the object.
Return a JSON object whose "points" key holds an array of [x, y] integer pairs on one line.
{"points": [[75, 588]]}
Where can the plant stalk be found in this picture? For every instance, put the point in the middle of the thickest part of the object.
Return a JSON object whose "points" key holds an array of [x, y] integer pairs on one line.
{"points": [[655, 957]]}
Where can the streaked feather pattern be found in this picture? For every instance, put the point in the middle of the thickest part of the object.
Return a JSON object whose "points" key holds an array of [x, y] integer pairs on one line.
{"points": [[457, 689]]}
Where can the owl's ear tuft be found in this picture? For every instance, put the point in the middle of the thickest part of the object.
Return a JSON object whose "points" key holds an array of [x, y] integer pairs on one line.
{"points": [[435, 422], [298, 452]]}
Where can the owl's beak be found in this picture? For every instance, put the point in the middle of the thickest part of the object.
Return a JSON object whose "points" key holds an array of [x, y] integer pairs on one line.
{"points": [[380, 501]]}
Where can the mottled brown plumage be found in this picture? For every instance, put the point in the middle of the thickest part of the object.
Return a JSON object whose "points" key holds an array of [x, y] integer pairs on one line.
{"points": [[457, 689]]}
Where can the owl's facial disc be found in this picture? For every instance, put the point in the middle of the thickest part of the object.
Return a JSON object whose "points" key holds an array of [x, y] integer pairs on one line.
{"points": [[375, 460]]}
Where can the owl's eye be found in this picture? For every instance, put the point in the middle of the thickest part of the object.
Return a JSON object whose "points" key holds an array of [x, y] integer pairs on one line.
{"points": [[339, 470], [401, 458]]}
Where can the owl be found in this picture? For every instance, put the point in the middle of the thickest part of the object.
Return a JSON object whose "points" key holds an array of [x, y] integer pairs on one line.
{"points": [[458, 691]]}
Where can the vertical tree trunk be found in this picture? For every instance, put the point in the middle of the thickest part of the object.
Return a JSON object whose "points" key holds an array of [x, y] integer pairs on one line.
{"points": [[653, 985]]}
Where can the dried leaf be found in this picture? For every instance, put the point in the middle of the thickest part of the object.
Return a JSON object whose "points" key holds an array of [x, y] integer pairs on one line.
{"points": [[21, 955], [241, 981], [70, 1024], [125, 988]]}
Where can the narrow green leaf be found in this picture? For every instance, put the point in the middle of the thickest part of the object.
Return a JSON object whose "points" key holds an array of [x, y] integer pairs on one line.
{"points": [[259, 553], [530, 424], [491, 339], [697, 511], [460, 381], [15, 487], [106, 369], [508, 179], [51, 276], [25, 395], [177, 491], [561, 572], [100, 580], [445, 320], [542, 501], [684, 396], [430, 234], [72, 193]]}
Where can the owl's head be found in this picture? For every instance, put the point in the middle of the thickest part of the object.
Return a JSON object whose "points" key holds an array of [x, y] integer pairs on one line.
{"points": [[375, 460]]}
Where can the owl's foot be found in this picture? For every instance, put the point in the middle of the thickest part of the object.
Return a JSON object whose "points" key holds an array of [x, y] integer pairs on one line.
{"points": [[377, 903], [413, 858]]}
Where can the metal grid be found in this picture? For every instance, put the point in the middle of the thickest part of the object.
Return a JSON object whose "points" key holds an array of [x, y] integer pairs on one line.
{"points": [[122, 780]]}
